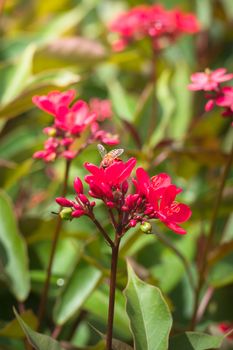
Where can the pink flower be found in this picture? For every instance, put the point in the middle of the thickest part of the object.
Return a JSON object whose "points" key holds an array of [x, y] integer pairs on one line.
{"points": [[70, 122], [75, 119], [103, 136], [226, 99], [54, 100], [209, 80], [102, 108], [50, 151]]}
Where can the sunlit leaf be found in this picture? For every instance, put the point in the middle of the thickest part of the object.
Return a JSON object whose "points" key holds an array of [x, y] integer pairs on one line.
{"points": [[166, 101], [183, 107], [122, 101], [39, 85], [18, 76]]}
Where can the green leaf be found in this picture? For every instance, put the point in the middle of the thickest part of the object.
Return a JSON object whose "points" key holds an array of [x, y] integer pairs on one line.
{"points": [[22, 170], [38, 340], [169, 277], [13, 256], [204, 13], [13, 329], [18, 76], [122, 101], [166, 102], [195, 341], [100, 297], [150, 317], [183, 102], [80, 285]]}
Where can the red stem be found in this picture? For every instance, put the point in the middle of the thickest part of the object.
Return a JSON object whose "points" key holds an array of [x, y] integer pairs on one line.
{"points": [[114, 261]]}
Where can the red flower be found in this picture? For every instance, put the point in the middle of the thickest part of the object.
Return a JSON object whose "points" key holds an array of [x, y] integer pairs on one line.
{"points": [[209, 80], [158, 183], [153, 22], [154, 197], [112, 175], [168, 210]]}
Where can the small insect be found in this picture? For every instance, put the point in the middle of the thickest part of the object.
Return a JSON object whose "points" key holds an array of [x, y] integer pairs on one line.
{"points": [[108, 157]]}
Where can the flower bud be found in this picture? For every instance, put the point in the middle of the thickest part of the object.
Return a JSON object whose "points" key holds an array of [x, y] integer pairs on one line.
{"points": [[63, 202], [78, 186], [77, 213], [50, 131], [110, 204], [66, 214], [133, 223], [83, 198], [146, 227]]}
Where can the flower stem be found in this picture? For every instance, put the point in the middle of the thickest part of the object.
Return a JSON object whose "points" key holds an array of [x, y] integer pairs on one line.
{"points": [[204, 267], [114, 261], [44, 295]]}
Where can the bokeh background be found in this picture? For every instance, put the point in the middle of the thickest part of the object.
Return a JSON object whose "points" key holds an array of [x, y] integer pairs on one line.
{"points": [[57, 45]]}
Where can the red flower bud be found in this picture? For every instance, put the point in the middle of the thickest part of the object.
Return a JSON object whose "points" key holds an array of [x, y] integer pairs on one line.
{"points": [[133, 223], [63, 202], [78, 186], [77, 213], [83, 198]]}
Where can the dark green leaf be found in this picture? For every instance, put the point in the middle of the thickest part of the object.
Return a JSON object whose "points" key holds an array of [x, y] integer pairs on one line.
{"points": [[38, 340], [80, 285]]}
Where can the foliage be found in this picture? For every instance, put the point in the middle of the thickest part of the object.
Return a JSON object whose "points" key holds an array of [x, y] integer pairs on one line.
{"points": [[62, 45]]}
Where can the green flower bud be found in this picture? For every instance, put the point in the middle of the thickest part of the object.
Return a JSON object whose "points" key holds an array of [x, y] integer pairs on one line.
{"points": [[65, 214], [146, 227]]}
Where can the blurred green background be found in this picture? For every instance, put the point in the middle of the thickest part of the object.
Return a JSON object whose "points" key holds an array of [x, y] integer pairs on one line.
{"points": [[57, 45]]}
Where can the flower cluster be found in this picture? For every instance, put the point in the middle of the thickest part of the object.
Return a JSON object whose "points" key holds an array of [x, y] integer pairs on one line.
{"points": [[160, 25], [152, 198], [70, 122], [210, 82]]}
